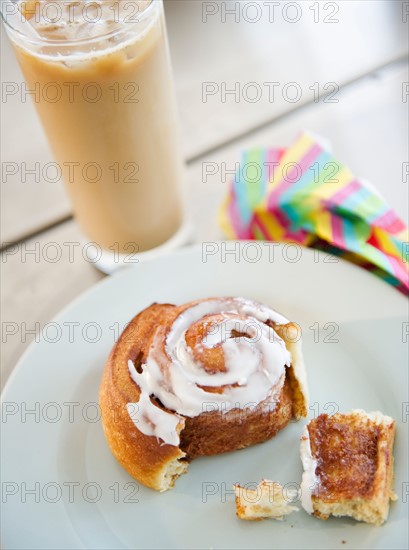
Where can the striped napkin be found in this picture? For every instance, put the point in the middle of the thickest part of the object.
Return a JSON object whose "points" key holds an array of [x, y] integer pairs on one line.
{"points": [[305, 195]]}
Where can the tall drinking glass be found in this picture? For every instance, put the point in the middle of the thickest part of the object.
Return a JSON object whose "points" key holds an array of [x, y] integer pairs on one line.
{"points": [[99, 73]]}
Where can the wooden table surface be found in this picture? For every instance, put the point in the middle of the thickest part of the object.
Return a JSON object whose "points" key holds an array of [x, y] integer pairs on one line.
{"points": [[353, 51]]}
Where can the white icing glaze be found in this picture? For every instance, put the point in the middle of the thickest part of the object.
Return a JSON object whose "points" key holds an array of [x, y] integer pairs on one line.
{"points": [[309, 478], [152, 420], [255, 365]]}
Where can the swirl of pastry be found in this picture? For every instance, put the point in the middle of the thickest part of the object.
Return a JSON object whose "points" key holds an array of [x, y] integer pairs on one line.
{"points": [[206, 377]]}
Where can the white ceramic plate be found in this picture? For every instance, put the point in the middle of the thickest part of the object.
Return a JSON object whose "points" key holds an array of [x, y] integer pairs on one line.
{"points": [[61, 487]]}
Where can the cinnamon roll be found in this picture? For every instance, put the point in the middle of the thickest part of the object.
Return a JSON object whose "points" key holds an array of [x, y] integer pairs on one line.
{"points": [[203, 378]]}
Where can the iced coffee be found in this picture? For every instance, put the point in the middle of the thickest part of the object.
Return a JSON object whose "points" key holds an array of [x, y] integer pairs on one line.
{"points": [[99, 73]]}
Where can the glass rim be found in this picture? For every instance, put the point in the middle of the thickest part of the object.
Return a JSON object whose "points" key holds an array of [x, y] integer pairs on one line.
{"points": [[41, 41]]}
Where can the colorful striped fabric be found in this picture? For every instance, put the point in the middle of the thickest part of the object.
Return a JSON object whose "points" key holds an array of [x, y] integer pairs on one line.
{"points": [[304, 195]]}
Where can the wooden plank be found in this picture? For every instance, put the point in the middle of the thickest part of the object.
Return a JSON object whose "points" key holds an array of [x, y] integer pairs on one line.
{"points": [[258, 51], [286, 53]]}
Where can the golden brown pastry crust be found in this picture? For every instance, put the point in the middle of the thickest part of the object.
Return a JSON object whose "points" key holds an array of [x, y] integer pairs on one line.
{"points": [[354, 465], [141, 455], [267, 500], [152, 462]]}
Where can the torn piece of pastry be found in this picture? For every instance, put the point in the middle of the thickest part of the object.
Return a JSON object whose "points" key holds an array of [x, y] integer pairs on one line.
{"points": [[267, 500], [203, 378], [348, 466]]}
